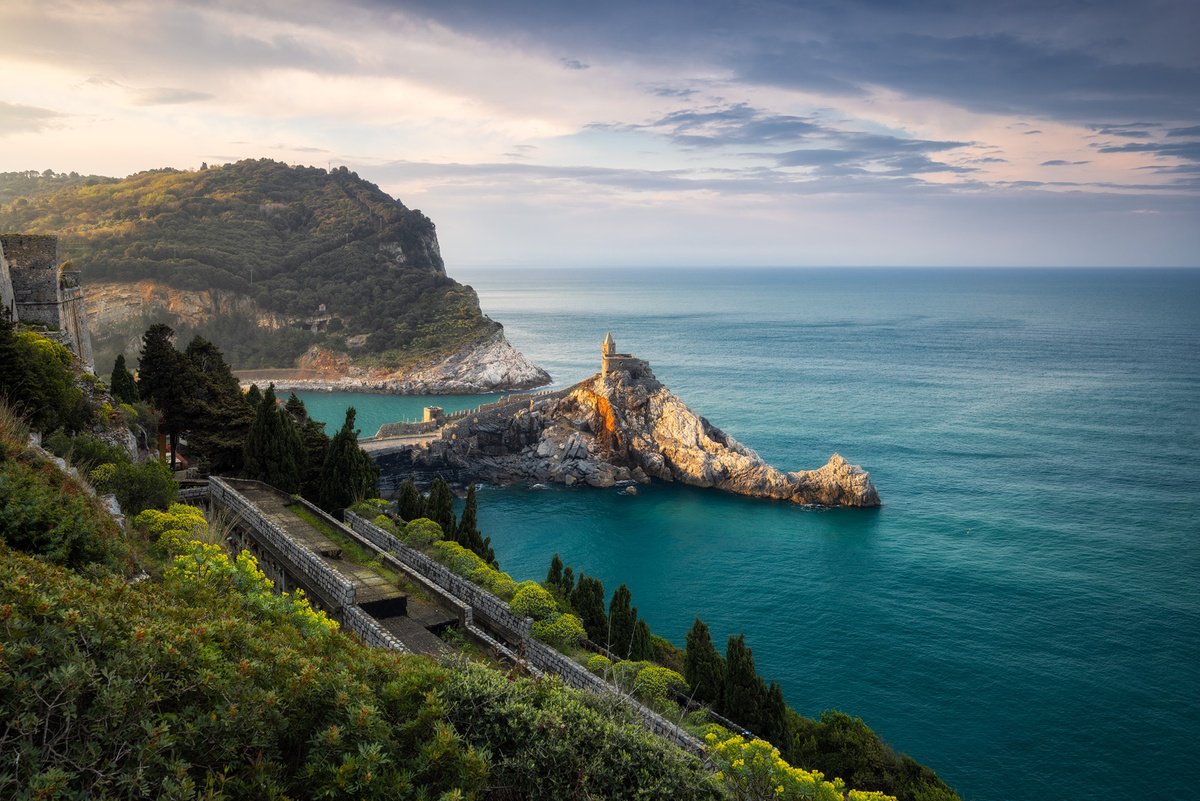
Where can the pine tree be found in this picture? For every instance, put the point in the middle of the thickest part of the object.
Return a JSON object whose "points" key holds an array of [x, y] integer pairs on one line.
{"points": [[254, 396], [703, 667], [588, 602], [467, 530], [622, 619], [555, 573], [122, 385], [411, 504], [348, 474], [642, 646], [568, 582], [745, 694], [274, 453], [439, 507]]}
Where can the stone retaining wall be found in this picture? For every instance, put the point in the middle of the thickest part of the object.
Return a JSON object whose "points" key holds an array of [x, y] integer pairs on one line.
{"points": [[368, 630], [325, 578]]}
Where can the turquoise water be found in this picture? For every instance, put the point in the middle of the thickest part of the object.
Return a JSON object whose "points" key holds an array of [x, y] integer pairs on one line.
{"points": [[1023, 614], [372, 410]]}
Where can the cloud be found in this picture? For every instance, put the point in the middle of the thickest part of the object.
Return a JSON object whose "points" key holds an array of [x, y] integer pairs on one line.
{"points": [[574, 64], [17, 118], [1061, 163], [167, 96]]}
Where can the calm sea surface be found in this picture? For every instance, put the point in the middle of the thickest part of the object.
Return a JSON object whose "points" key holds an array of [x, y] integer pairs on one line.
{"points": [[1023, 614]]}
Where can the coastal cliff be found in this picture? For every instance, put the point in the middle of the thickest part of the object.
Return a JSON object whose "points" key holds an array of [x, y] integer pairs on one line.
{"points": [[624, 426]]}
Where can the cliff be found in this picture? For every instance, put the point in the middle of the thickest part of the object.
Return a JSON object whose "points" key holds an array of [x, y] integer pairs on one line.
{"points": [[269, 262], [605, 430]]}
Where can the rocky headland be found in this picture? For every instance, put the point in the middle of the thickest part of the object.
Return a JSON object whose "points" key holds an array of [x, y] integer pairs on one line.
{"points": [[488, 366], [623, 427]]}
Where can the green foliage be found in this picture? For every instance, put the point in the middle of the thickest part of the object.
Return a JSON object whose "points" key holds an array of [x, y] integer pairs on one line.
{"points": [[588, 602], [467, 531], [83, 450], [220, 416], [842, 745], [274, 453], [532, 600], [622, 620], [559, 630], [348, 474], [421, 532], [752, 770], [642, 645], [384, 522], [38, 379], [122, 385], [316, 446], [411, 504], [288, 238], [655, 683], [745, 694], [530, 726], [554, 574], [144, 485], [44, 512], [439, 507], [599, 664], [703, 667], [167, 380]]}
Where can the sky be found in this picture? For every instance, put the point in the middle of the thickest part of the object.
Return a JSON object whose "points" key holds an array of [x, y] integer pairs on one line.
{"points": [[559, 133]]}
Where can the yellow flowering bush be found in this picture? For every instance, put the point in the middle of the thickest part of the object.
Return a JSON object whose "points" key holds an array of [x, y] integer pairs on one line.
{"points": [[752, 770]]}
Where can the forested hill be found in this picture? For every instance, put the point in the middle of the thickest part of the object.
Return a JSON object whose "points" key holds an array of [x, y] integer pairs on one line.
{"points": [[274, 242]]}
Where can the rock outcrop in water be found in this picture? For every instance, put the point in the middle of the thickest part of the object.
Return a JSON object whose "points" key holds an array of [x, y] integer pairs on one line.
{"points": [[621, 427]]}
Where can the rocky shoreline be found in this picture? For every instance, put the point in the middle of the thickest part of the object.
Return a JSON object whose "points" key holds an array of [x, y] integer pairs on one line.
{"points": [[619, 428], [492, 365]]}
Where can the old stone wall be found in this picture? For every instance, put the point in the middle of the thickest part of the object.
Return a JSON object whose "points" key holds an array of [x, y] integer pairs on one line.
{"points": [[33, 269], [6, 289]]}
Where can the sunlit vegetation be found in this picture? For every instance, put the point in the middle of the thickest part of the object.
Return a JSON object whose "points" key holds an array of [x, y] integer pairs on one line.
{"points": [[289, 238]]}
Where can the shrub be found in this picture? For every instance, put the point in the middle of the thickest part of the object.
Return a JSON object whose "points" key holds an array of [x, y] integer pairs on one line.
{"points": [[456, 557], [654, 683], [752, 769], [560, 631], [532, 600], [421, 532], [387, 524], [499, 584], [599, 664], [146, 485]]}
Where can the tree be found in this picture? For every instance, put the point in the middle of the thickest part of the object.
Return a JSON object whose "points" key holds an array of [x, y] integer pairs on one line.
{"points": [[316, 445], [554, 574], [122, 385], [411, 504], [348, 474], [622, 619], [642, 646], [274, 453], [568, 581], [745, 693], [165, 378], [439, 507], [703, 667], [775, 721], [588, 602], [220, 414], [467, 532]]}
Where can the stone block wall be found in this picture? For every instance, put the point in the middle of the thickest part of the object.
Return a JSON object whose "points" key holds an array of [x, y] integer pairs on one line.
{"points": [[7, 301], [33, 289]]}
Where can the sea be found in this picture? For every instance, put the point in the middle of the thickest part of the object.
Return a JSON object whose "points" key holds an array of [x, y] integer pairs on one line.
{"points": [[1023, 612]]}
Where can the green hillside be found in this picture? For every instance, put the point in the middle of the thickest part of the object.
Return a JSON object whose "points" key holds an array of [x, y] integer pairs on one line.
{"points": [[289, 238]]}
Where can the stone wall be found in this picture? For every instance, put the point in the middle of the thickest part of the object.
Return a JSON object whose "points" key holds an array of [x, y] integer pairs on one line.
{"points": [[7, 301], [32, 285]]}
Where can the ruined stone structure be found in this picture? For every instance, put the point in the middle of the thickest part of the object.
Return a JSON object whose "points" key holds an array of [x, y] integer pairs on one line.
{"points": [[35, 288], [613, 362]]}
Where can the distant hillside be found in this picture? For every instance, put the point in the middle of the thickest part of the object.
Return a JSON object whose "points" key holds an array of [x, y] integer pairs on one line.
{"points": [[247, 254]]}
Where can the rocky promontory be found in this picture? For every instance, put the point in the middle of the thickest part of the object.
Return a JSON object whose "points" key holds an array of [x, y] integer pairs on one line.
{"points": [[488, 366], [623, 426]]}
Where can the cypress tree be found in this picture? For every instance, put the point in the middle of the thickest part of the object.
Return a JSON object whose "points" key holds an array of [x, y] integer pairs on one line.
{"points": [[254, 396], [167, 380], [274, 453], [642, 647], [568, 582], [622, 620], [439, 507], [588, 602], [122, 385], [220, 414], [554, 575], [316, 445], [703, 667], [745, 694], [775, 719], [411, 504], [348, 474]]}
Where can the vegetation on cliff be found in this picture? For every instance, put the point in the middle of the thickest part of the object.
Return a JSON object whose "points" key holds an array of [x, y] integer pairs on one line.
{"points": [[289, 238]]}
